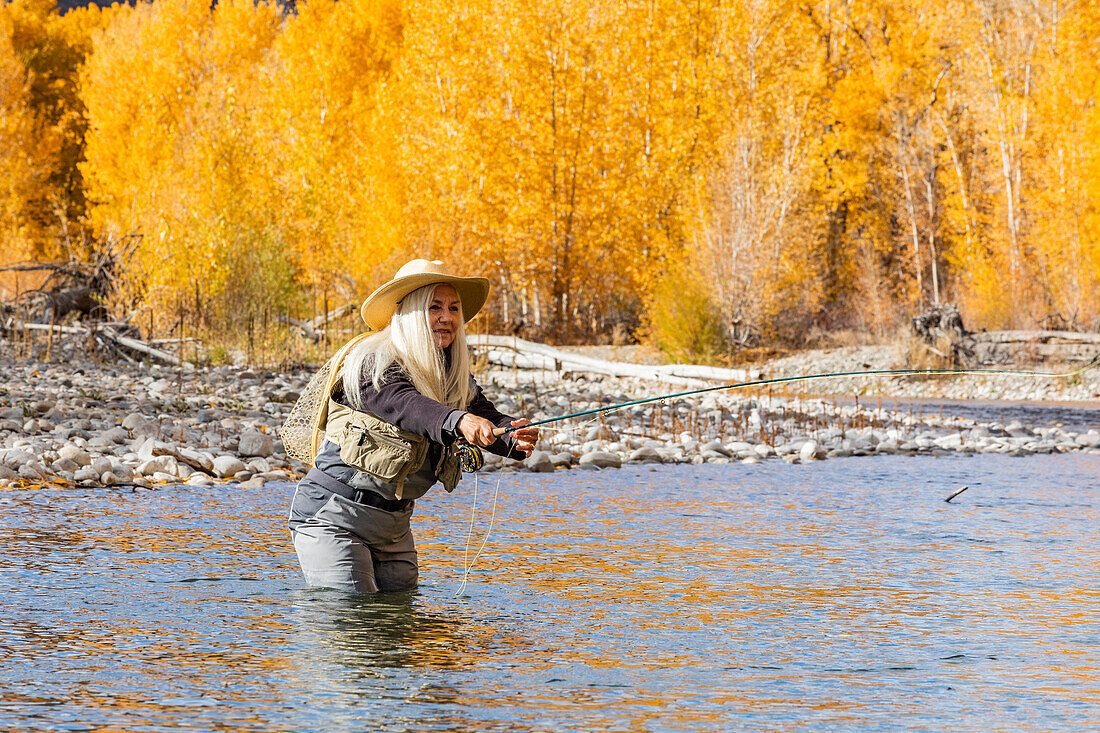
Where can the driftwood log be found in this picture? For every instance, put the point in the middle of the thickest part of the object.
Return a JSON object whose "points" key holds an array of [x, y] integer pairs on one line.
{"points": [[314, 329], [517, 353]]}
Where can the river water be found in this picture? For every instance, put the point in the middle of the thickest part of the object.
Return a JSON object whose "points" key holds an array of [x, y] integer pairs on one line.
{"points": [[836, 595]]}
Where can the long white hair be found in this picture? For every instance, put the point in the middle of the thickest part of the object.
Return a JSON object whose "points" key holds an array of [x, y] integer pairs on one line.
{"points": [[408, 343]]}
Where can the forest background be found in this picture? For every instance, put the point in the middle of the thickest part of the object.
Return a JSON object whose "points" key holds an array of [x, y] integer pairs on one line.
{"points": [[703, 174]]}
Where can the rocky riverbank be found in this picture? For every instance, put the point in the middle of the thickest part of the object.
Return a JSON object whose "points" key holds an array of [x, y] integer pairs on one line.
{"points": [[88, 424]]}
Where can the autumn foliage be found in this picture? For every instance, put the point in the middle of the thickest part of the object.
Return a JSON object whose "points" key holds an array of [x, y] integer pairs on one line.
{"points": [[707, 174]]}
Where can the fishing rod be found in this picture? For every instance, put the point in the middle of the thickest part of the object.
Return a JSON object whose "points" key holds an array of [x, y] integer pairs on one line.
{"points": [[785, 380]]}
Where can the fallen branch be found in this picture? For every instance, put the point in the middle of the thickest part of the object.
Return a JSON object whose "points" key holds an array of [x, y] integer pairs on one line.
{"points": [[332, 315], [142, 348], [307, 329]]}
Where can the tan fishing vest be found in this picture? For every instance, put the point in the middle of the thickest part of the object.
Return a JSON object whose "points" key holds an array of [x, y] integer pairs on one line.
{"points": [[383, 450]]}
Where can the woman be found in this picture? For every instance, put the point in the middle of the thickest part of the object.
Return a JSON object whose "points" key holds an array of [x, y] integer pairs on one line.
{"points": [[404, 396]]}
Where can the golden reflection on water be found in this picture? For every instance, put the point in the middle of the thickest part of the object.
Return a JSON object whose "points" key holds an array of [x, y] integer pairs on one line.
{"points": [[638, 604]]}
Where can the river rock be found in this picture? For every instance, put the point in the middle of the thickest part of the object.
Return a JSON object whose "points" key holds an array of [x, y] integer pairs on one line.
{"points": [[750, 459], [539, 462], [563, 459], [14, 458], [811, 451], [196, 458], [953, 441], [601, 459], [715, 446], [200, 479], [646, 454], [255, 443], [33, 471], [256, 482], [122, 472], [65, 464], [226, 466], [86, 474], [164, 478], [1091, 439], [601, 432], [74, 453], [159, 464], [133, 420], [117, 435], [147, 429]]}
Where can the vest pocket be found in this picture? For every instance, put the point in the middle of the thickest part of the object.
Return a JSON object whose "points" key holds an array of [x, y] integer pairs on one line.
{"points": [[448, 471], [380, 455]]}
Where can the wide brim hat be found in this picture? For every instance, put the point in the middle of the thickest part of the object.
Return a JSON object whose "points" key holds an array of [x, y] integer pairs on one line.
{"points": [[378, 309]]}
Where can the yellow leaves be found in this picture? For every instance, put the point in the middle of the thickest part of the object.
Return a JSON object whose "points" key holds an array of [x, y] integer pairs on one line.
{"points": [[837, 163]]}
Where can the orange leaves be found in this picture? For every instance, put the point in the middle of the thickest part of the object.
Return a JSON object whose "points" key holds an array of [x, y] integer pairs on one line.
{"points": [[831, 164]]}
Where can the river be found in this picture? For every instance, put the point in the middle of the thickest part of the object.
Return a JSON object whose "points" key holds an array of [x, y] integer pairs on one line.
{"points": [[833, 595]]}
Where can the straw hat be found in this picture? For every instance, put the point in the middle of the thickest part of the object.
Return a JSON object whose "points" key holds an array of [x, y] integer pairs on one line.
{"points": [[379, 307]]}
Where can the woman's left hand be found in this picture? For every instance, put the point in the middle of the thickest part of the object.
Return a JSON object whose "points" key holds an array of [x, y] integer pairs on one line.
{"points": [[525, 437]]}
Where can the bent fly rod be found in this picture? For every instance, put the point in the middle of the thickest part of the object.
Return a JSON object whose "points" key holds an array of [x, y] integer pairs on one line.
{"points": [[786, 380]]}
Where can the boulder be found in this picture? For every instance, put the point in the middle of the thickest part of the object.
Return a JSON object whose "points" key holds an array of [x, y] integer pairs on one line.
{"points": [[33, 471], [1091, 439], [811, 451], [646, 454], [564, 459], [539, 462], [148, 429], [14, 457], [133, 420], [159, 464], [123, 473], [600, 459], [75, 454], [226, 466], [715, 446], [255, 443], [117, 435], [65, 464], [86, 474]]}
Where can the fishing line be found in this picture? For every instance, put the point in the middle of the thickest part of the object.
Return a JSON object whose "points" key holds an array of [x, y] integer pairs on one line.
{"points": [[468, 564], [598, 412], [801, 378]]}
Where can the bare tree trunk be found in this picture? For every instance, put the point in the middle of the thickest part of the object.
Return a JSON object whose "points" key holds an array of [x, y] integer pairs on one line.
{"points": [[913, 228]]}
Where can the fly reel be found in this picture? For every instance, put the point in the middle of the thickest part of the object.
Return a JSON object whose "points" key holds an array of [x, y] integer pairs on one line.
{"points": [[469, 456]]}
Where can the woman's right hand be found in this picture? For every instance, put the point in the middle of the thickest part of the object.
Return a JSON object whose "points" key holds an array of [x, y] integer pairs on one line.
{"points": [[477, 430]]}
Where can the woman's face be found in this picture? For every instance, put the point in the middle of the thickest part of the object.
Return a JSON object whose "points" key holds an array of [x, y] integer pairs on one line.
{"points": [[444, 315]]}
